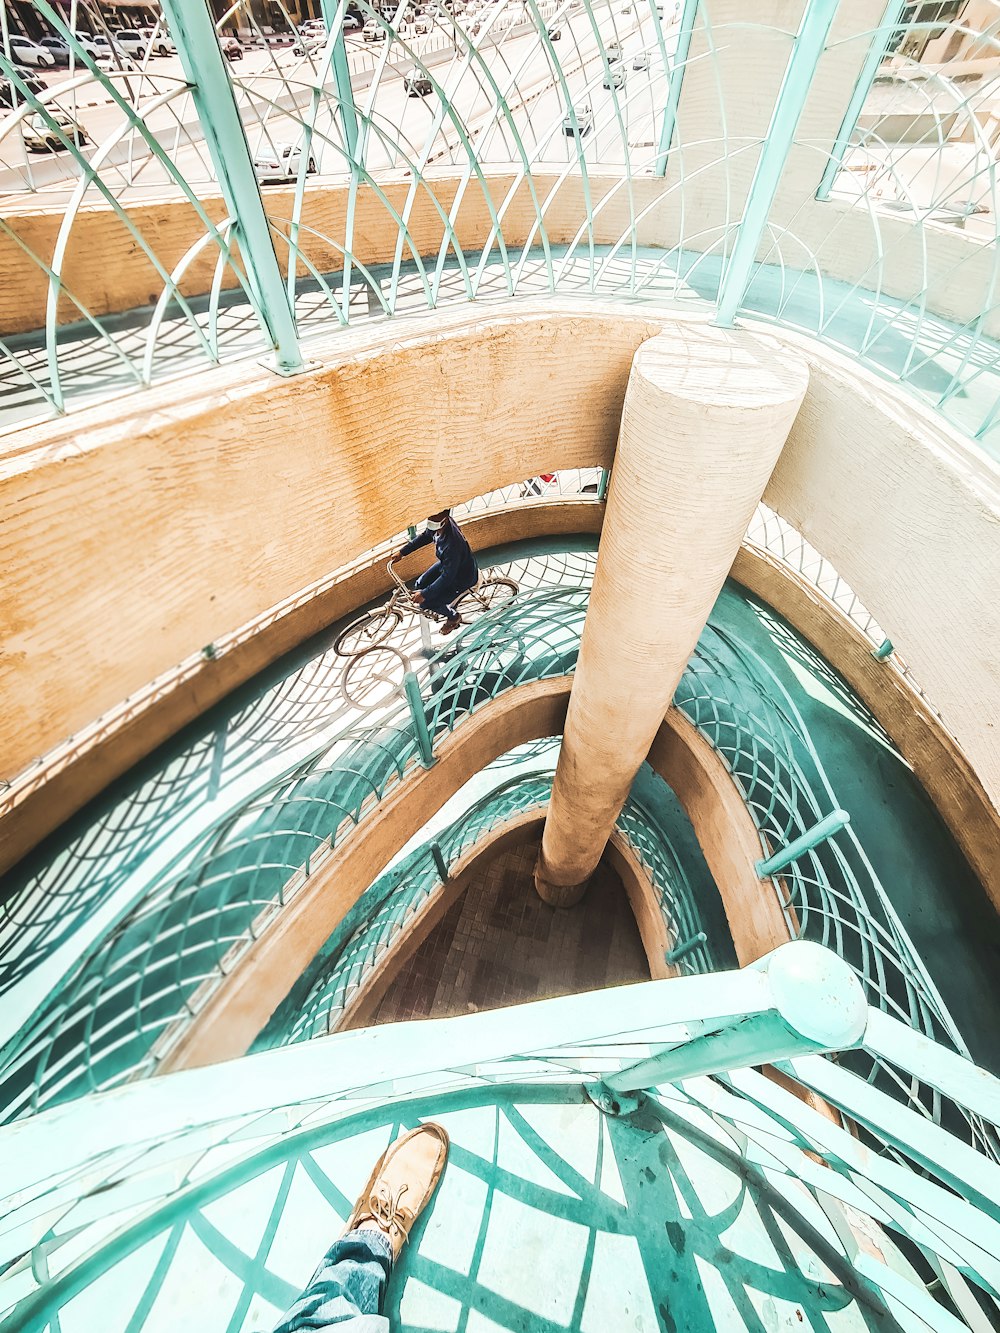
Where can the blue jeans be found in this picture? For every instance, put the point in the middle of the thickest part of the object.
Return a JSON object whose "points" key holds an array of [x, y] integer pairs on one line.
{"points": [[348, 1288], [442, 602]]}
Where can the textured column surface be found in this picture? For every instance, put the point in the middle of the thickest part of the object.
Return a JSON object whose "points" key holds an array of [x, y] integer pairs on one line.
{"points": [[705, 417]]}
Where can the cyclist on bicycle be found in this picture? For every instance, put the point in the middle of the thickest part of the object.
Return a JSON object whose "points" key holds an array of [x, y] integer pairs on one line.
{"points": [[454, 572]]}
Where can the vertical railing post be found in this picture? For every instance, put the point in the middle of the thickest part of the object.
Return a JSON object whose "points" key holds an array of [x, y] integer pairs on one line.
{"points": [[421, 733], [884, 650], [876, 54], [805, 842], [193, 31], [602, 489], [806, 51], [675, 78], [333, 16], [440, 864]]}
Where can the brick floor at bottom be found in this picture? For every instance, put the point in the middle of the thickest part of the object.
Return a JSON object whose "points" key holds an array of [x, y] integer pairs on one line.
{"points": [[500, 944]]}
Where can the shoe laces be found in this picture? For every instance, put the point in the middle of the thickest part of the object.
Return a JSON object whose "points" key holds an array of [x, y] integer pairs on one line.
{"points": [[387, 1210]]}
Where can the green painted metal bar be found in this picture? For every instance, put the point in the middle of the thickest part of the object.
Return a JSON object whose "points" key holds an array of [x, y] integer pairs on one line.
{"points": [[876, 54], [425, 746], [204, 65], [884, 650], [681, 951], [676, 79], [815, 1004], [826, 828], [602, 490], [440, 863], [808, 46], [333, 17]]}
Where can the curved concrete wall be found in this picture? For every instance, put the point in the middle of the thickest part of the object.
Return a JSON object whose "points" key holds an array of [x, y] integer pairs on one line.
{"points": [[129, 542]]}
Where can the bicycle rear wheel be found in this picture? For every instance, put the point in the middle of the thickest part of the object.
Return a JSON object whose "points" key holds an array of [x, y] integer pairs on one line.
{"points": [[490, 595], [368, 630]]}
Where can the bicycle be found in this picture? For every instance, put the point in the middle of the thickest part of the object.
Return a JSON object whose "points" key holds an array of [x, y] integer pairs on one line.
{"points": [[370, 679]]}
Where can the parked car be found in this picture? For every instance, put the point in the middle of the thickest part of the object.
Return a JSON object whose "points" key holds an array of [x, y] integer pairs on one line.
{"points": [[159, 41], [614, 51], [10, 96], [31, 79], [132, 41], [57, 49], [554, 34], [115, 60], [90, 43], [580, 121], [308, 45], [39, 137], [615, 76], [641, 60], [353, 22], [232, 49], [422, 25], [279, 163], [372, 31], [27, 52], [418, 85]]}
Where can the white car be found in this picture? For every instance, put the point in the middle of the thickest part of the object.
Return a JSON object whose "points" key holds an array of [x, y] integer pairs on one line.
{"points": [[279, 163], [580, 121], [40, 138], [159, 41], [641, 60], [26, 52], [372, 31], [615, 76], [89, 43], [132, 41], [112, 61]]}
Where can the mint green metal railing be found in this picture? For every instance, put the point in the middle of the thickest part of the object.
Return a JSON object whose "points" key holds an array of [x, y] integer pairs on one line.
{"points": [[190, 927], [925, 212], [92, 1184]]}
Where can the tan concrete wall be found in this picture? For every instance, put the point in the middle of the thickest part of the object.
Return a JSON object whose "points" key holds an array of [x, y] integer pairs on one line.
{"points": [[76, 773], [909, 516], [129, 542]]}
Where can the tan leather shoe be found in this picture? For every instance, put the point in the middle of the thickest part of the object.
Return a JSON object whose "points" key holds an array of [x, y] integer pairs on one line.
{"points": [[400, 1186]]}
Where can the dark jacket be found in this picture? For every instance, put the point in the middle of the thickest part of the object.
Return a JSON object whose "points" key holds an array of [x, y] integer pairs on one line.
{"points": [[456, 567]]}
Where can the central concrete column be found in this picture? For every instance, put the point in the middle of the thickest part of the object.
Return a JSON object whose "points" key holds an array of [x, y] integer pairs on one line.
{"points": [[706, 414]]}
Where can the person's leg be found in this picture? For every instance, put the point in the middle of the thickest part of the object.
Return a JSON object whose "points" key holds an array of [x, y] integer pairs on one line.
{"points": [[347, 1291], [428, 576], [348, 1288]]}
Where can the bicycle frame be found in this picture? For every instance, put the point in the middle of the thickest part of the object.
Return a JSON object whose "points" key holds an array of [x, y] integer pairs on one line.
{"points": [[402, 598]]}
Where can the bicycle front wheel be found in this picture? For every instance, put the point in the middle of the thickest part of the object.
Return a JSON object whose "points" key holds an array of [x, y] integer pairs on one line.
{"points": [[373, 677], [490, 595], [368, 630]]}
